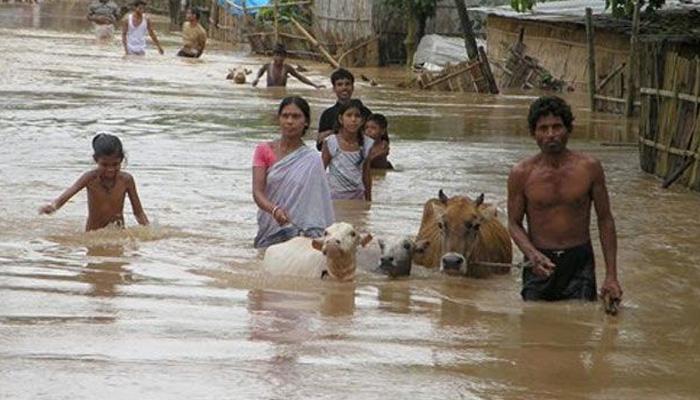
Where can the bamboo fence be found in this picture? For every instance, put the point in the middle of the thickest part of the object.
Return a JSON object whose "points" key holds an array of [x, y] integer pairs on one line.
{"points": [[669, 132]]}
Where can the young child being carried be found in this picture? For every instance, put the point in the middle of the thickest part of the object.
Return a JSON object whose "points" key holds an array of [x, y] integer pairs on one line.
{"points": [[376, 128], [107, 186], [349, 153]]}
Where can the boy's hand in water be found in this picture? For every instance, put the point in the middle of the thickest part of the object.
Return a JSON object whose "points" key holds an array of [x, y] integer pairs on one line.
{"points": [[280, 216], [254, 83], [47, 209]]}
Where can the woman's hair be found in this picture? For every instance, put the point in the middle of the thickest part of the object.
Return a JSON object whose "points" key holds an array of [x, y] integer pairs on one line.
{"points": [[105, 144], [303, 106], [550, 105], [356, 104], [380, 120]]}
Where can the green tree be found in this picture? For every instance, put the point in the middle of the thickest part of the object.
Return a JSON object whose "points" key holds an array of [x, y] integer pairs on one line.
{"points": [[417, 13]]}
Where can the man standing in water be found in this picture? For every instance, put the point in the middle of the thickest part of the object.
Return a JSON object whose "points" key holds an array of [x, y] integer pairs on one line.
{"points": [[103, 14], [134, 30], [194, 37], [555, 190], [277, 70]]}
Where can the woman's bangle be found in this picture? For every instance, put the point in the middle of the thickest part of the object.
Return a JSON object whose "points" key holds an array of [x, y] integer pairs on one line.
{"points": [[274, 210]]}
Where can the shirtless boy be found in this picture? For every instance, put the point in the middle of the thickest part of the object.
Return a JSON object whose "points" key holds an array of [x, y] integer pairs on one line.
{"points": [[107, 186]]}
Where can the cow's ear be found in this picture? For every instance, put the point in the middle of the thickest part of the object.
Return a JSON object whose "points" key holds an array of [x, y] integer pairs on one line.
{"points": [[438, 210], [382, 245], [442, 196], [479, 200], [317, 244], [366, 239], [488, 213], [421, 246]]}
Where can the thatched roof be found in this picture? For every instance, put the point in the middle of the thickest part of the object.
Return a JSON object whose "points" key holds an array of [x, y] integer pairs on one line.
{"points": [[676, 21]]}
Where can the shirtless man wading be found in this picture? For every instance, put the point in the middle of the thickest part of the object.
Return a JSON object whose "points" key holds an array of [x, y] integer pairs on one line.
{"points": [[555, 190]]}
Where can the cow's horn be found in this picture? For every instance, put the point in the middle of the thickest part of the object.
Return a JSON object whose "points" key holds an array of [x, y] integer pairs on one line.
{"points": [[442, 196], [480, 200]]}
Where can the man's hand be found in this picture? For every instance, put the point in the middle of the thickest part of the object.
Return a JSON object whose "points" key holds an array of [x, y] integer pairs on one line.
{"points": [[160, 50], [611, 287], [254, 83], [320, 86], [542, 265]]}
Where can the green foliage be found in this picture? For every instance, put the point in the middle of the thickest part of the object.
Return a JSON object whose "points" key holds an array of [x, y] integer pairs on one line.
{"points": [[625, 8], [523, 5], [619, 8], [300, 13]]}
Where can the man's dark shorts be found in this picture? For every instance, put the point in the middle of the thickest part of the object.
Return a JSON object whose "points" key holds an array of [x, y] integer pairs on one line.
{"points": [[573, 278]]}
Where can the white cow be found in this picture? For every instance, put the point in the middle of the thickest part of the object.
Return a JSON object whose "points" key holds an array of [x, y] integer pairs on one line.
{"points": [[333, 255]]}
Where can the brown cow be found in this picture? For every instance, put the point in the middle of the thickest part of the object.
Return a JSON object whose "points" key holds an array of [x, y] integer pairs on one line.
{"points": [[460, 229]]}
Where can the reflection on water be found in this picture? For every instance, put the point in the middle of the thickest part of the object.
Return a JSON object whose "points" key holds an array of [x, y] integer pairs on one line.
{"points": [[179, 309], [106, 272]]}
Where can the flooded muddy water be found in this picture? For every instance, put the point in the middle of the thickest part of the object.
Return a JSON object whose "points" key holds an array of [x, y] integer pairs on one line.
{"points": [[180, 310]]}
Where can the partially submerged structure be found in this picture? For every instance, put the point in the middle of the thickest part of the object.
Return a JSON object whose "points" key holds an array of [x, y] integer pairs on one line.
{"points": [[555, 36], [669, 132]]}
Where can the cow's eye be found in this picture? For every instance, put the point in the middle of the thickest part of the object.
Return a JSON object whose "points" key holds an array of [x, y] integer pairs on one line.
{"points": [[476, 227], [353, 234], [440, 225], [325, 233], [407, 246]]}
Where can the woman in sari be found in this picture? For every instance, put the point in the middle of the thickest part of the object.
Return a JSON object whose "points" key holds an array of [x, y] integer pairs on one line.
{"points": [[289, 183]]}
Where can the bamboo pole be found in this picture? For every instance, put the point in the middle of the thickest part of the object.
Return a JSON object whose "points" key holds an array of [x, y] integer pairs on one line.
{"points": [[469, 39], [607, 79], [315, 43], [277, 18], [591, 59], [629, 99], [486, 71]]}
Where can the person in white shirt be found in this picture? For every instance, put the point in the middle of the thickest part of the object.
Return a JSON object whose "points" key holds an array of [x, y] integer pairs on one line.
{"points": [[134, 30]]}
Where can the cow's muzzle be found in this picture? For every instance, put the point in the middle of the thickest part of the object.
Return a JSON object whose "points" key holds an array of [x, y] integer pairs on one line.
{"points": [[452, 263], [388, 266]]}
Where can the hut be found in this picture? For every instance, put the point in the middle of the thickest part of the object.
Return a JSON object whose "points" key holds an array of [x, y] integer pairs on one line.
{"points": [[555, 36], [669, 128]]}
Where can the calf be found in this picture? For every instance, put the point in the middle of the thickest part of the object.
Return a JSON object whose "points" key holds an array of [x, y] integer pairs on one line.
{"points": [[397, 257], [332, 256]]}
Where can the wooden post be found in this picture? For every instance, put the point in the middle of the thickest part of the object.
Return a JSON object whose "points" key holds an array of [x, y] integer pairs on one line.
{"points": [[486, 70], [242, 22], [631, 71], [591, 59], [277, 17], [469, 39]]}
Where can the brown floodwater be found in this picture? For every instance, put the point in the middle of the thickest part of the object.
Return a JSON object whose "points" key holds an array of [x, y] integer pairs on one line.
{"points": [[180, 309]]}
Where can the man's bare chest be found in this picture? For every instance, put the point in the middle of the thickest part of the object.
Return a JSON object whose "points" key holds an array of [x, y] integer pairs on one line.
{"points": [[550, 189]]}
